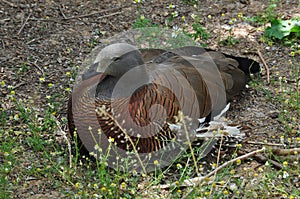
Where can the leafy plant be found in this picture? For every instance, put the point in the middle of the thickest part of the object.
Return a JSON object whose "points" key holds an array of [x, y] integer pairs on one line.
{"points": [[7, 163], [230, 40], [284, 29], [143, 22], [191, 2], [264, 16], [200, 32]]}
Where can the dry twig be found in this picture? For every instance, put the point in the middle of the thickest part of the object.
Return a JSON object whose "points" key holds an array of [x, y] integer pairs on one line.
{"points": [[65, 18], [109, 15], [37, 66], [18, 85], [33, 40], [23, 25], [265, 65], [263, 143], [10, 4], [196, 181], [90, 14], [283, 152], [62, 13], [263, 159]]}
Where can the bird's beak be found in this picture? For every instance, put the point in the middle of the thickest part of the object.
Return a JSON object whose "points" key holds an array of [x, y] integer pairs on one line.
{"points": [[91, 72]]}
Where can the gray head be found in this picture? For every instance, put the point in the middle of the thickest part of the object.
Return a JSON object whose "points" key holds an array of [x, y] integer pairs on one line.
{"points": [[115, 60]]}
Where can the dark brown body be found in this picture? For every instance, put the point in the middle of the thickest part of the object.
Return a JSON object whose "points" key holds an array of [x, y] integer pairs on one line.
{"points": [[212, 79]]}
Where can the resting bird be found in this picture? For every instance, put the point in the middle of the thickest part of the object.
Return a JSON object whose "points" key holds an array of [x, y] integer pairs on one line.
{"points": [[137, 98]]}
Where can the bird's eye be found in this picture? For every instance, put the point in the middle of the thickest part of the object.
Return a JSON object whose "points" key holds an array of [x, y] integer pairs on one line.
{"points": [[116, 59]]}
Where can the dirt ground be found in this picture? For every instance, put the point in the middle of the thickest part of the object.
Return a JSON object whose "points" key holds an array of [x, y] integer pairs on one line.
{"points": [[47, 39]]}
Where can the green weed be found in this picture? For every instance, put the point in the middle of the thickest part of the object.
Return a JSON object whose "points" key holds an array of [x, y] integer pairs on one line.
{"points": [[264, 16], [143, 22], [287, 31]]}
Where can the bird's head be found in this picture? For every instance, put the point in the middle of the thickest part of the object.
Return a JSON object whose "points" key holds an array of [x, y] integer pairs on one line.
{"points": [[115, 60]]}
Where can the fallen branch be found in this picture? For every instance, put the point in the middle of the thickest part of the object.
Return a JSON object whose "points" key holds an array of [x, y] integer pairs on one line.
{"points": [[109, 15], [10, 4], [23, 25], [263, 159], [18, 85], [90, 14], [283, 152], [33, 40], [62, 13], [196, 181], [37, 66], [265, 65], [263, 143], [48, 20]]}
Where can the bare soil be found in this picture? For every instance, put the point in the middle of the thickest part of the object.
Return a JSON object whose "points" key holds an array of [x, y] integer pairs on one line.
{"points": [[46, 39]]}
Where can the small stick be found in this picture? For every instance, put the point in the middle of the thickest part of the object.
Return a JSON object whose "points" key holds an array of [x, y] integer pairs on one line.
{"points": [[93, 13], [278, 151], [62, 13], [263, 143], [18, 85], [196, 181], [24, 24], [109, 15], [35, 64], [265, 65], [10, 4], [283, 152], [293, 81], [4, 20], [262, 159], [114, 27], [33, 40]]}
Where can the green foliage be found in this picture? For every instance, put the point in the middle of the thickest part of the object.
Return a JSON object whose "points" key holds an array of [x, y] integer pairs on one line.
{"points": [[3, 117], [264, 16], [154, 36], [289, 97], [284, 29], [191, 2], [143, 22], [6, 166], [24, 68], [230, 40], [287, 31], [199, 33]]}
